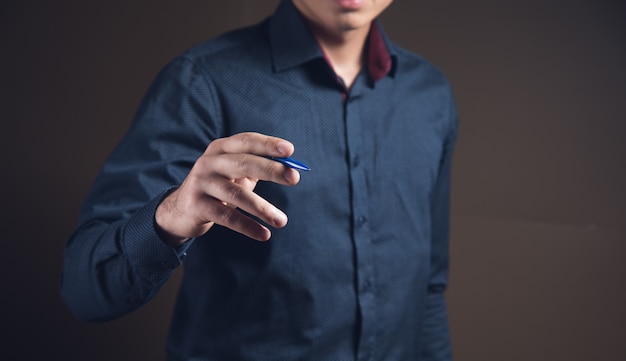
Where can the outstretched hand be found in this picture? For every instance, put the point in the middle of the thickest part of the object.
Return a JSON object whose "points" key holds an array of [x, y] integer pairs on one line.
{"points": [[222, 180]]}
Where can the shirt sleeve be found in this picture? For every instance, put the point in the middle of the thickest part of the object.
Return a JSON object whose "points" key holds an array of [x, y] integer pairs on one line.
{"points": [[436, 330], [115, 261]]}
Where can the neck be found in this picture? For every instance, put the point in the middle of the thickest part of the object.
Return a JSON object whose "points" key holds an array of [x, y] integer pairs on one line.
{"points": [[344, 50]]}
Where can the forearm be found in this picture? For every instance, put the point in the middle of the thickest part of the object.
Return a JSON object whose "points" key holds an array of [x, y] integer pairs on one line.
{"points": [[112, 268], [116, 261]]}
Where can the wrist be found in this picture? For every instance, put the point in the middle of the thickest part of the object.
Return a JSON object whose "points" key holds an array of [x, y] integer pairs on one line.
{"points": [[163, 223]]}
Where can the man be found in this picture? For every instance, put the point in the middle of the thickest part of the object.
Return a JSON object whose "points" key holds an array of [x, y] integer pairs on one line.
{"points": [[360, 269]]}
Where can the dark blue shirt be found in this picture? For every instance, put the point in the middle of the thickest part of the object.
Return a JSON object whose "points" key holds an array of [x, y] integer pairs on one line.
{"points": [[359, 272]]}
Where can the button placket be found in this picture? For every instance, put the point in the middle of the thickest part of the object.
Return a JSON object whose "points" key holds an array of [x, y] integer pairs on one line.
{"points": [[361, 234]]}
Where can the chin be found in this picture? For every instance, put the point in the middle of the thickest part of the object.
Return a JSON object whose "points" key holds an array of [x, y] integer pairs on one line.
{"points": [[352, 22]]}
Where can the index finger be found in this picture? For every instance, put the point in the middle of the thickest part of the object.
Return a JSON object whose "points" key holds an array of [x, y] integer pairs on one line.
{"points": [[252, 143]]}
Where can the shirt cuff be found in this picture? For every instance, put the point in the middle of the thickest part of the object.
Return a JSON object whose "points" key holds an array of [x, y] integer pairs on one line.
{"points": [[150, 257]]}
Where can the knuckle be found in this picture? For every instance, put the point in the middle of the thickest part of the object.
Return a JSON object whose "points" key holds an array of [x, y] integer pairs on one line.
{"points": [[201, 163], [270, 168], [241, 162], [231, 192], [201, 167], [245, 139], [269, 142], [223, 215], [263, 209], [214, 146]]}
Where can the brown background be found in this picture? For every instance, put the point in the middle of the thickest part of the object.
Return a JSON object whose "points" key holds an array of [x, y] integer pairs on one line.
{"points": [[539, 205]]}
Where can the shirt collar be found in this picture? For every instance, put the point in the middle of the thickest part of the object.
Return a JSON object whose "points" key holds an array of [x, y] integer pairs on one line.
{"points": [[379, 55], [292, 43]]}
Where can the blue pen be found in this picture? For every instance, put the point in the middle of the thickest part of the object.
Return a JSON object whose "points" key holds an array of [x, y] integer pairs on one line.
{"points": [[292, 163]]}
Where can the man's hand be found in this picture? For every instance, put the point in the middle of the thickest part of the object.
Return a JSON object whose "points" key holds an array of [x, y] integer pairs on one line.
{"points": [[220, 181]]}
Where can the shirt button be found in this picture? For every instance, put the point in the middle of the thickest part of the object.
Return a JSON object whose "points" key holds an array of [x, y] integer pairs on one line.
{"points": [[367, 285], [361, 221], [355, 162]]}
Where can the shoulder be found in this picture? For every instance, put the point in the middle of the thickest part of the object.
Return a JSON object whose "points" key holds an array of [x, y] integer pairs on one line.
{"points": [[427, 82], [230, 48], [418, 68]]}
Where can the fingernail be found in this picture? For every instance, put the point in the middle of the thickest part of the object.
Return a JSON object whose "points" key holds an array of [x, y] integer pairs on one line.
{"points": [[283, 148], [267, 235], [291, 176], [280, 218], [287, 175]]}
